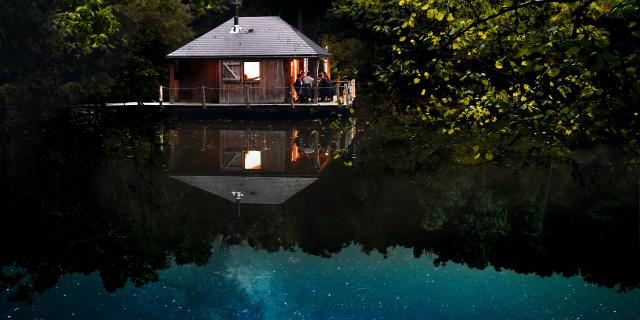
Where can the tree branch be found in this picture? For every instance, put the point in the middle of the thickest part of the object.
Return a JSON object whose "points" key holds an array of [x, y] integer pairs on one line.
{"points": [[505, 10]]}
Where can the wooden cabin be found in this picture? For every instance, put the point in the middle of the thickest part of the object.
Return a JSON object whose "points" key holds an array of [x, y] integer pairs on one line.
{"points": [[246, 60]]}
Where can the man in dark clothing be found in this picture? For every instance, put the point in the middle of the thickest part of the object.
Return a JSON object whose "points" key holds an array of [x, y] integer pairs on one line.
{"points": [[326, 91], [298, 84]]}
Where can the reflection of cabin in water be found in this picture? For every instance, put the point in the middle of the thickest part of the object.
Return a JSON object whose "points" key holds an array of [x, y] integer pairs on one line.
{"points": [[246, 60], [269, 165]]}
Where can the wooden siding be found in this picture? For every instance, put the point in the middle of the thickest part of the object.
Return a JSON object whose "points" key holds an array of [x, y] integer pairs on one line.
{"points": [[192, 74], [211, 151], [271, 144], [194, 150], [273, 86]]}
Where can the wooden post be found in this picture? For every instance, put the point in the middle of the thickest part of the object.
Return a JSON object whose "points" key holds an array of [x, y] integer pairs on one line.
{"points": [[347, 90], [160, 97], [172, 98], [344, 94], [353, 88], [204, 99], [315, 88], [337, 92]]}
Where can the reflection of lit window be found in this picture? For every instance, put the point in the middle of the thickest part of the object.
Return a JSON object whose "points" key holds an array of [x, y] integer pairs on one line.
{"points": [[252, 160], [252, 71]]}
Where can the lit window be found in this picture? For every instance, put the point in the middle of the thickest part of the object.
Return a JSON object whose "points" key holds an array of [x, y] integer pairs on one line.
{"points": [[252, 71], [252, 160]]}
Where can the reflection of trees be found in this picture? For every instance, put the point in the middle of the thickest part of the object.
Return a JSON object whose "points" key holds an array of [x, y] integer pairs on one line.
{"points": [[97, 200], [531, 216]]}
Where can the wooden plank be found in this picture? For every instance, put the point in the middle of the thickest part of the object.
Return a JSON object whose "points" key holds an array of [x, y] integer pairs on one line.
{"points": [[271, 88], [281, 84]]}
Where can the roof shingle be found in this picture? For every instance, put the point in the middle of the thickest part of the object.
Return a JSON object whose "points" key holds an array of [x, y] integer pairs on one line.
{"points": [[259, 37]]}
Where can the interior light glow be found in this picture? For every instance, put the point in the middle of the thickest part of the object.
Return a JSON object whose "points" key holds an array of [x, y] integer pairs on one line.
{"points": [[252, 160], [252, 71]]}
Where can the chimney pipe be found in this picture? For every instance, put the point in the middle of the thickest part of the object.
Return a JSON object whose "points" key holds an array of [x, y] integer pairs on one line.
{"points": [[236, 21]]}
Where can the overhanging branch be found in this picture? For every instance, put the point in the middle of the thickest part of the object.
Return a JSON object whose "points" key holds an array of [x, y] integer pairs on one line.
{"points": [[505, 10]]}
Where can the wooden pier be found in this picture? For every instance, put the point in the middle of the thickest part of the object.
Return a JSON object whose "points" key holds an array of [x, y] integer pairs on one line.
{"points": [[213, 106], [340, 102], [236, 111]]}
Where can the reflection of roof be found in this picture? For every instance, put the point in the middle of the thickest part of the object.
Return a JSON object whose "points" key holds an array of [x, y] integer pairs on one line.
{"points": [[260, 37], [258, 190]]}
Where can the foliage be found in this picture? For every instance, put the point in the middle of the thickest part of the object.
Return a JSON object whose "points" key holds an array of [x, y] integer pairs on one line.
{"points": [[350, 56], [86, 25], [62, 52], [204, 5], [151, 29], [557, 69]]}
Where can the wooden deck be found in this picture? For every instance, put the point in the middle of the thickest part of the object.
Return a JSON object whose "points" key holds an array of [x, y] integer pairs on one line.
{"points": [[340, 104], [232, 111], [191, 105]]}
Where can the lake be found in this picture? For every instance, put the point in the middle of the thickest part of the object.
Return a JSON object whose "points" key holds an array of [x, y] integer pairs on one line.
{"points": [[131, 215]]}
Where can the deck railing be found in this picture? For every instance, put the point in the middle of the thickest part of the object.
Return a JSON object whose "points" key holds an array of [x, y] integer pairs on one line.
{"points": [[340, 93]]}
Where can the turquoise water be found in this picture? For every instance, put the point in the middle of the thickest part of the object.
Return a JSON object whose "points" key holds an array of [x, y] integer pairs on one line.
{"points": [[243, 283]]}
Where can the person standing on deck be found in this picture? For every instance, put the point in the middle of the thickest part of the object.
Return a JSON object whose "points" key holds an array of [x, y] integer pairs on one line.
{"points": [[308, 80], [298, 85], [325, 87], [307, 86]]}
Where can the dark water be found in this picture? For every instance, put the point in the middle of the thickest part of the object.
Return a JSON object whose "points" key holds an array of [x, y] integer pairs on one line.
{"points": [[129, 216]]}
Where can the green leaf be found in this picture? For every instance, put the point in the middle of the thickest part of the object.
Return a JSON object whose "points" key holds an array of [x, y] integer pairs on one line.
{"points": [[573, 50]]}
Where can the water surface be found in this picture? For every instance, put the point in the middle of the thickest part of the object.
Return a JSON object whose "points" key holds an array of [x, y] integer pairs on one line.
{"points": [[109, 218]]}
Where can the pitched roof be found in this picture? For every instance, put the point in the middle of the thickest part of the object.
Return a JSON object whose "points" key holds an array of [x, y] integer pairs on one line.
{"points": [[258, 37], [256, 190]]}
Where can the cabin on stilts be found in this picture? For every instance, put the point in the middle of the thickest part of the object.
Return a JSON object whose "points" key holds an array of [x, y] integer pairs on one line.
{"points": [[250, 61]]}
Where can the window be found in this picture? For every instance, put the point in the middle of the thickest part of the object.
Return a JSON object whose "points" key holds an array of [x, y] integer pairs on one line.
{"points": [[252, 160], [231, 71], [251, 71], [231, 159]]}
